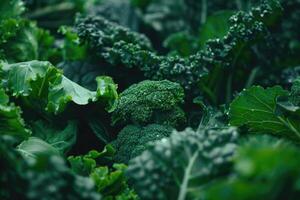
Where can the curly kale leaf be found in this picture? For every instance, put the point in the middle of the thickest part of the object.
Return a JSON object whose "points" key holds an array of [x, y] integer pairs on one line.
{"points": [[85, 164], [264, 167], [20, 39], [11, 122], [28, 43], [246, 29], [150, 102], [133, 140], [43, 86], [185, 160], [110, 181], [119, 46]]}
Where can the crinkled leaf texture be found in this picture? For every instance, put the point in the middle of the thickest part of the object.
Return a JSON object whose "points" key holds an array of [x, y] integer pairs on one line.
{"points": [[85, 164], [11, 122], [185, 160], [109, 181], [42, 85], [256, 108]]}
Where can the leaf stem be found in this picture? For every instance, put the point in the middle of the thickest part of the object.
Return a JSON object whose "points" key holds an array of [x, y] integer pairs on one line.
{"points": [[184, 185]]}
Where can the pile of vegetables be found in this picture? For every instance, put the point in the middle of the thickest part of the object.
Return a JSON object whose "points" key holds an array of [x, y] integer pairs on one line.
{"points": [[149, 99]]}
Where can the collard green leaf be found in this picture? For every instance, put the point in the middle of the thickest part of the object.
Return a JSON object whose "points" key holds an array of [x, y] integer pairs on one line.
{"points": [[60, 138], [64, 91], [30, 78], [186, 160], [256, 108], [43, 86]]}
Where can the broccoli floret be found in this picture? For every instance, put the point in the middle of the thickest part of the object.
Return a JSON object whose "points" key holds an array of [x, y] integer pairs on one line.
{"points": [[151, 102], [132, 140]]}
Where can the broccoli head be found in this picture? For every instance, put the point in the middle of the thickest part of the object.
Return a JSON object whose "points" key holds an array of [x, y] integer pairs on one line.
{"points": [[151, 102], [132, 140]]}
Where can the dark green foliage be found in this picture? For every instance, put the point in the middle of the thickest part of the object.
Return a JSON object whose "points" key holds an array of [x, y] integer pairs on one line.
{"points": [[110, 182], [17, 177], [187, 71], [264, 168], [186, 160], [133, 140]]}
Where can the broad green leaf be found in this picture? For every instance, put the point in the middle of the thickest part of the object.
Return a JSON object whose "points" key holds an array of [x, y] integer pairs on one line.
{"points": [[64, 91], [176, 167], [34, 147], [216, 26], [256, 108], [30, 78], [11, 122], [43, 86], [61, 138]]}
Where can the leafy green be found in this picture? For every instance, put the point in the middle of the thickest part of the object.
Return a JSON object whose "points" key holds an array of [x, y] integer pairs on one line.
{"points": [[61, 139], [45, 87], [263, 168], [177, 64], [11, 122], [186, 160], [27, 180], [256, 108], [216, 26], [85, 164], [34, 147], [110, 182], [28, 43]]}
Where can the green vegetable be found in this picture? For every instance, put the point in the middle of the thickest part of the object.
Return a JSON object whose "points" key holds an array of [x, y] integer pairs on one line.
{"points": [[150, 102], [149, 99], [263, 168], [256, 108], [42, 85], [110, 182], [133, 140], [11, 122], [186, 160]]}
